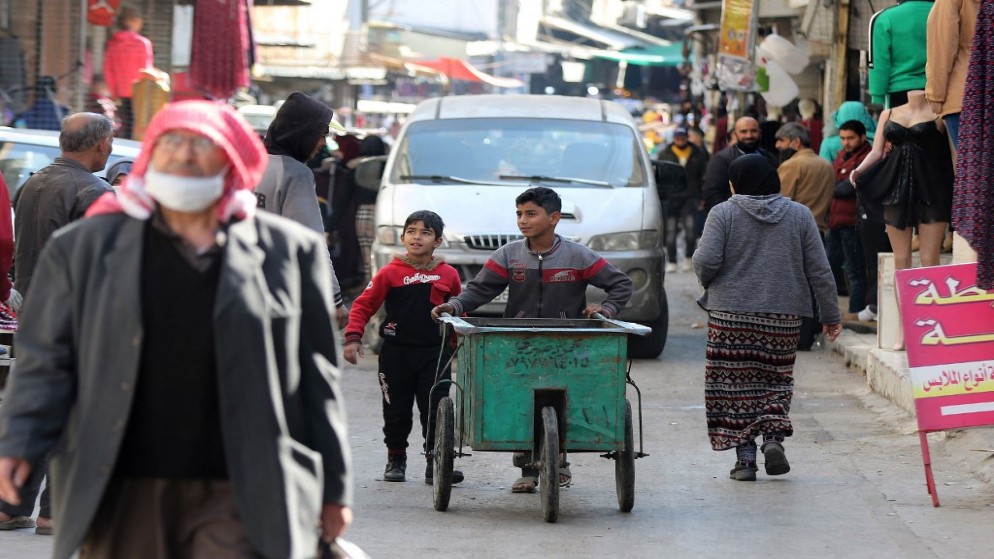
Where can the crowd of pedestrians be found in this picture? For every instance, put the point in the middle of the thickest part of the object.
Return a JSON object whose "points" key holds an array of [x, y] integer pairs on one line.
{"points": [[182, 254]]}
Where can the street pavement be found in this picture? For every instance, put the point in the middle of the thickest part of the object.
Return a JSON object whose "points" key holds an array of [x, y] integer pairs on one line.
{"points": [[856, 486]]}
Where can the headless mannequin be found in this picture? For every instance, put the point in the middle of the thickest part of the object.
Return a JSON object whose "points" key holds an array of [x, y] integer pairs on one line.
{"points": [[930, 235]]}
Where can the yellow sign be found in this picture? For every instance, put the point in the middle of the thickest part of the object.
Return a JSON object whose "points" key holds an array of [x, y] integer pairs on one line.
{"points": [[737, 28]]}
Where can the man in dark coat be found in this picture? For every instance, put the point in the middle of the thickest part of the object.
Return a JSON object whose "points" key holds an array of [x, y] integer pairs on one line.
{"points": [[199, 403], [53, 197], [842, 243], [681, 207], [746, 136], [62, 191]]}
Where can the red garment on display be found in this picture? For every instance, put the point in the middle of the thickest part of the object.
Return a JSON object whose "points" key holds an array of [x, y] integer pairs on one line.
{"points": [[101, 12], [219, 63], [126, 55]]}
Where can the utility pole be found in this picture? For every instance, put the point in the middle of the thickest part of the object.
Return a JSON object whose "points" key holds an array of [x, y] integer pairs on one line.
{"points": [[841, 50], [502, 11]]}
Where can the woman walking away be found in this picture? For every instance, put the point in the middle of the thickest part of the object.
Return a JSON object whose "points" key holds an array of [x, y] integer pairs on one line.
{"points": [[752, 242]]}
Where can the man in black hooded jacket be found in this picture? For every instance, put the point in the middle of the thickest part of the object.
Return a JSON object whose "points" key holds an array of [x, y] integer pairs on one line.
{"points": [[287, 188], [746, 136]]}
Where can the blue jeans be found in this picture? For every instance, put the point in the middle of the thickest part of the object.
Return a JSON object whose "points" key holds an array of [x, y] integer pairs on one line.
{"points": [[952, 126], [844, 250]]}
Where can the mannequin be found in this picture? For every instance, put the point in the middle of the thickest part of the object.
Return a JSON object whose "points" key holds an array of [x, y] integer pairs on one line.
{"points": [[923, 200], [897, 51], [809, 111]]}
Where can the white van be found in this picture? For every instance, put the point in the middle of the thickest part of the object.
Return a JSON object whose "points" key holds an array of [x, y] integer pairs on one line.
{"points": [[468, 157]]}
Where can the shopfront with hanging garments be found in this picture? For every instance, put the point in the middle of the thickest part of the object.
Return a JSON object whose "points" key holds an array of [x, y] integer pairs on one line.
{"points": [[56, 56]]}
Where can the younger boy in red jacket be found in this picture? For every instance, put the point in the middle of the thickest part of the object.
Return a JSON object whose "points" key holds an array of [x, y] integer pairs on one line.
{"points": [[410, 286]]}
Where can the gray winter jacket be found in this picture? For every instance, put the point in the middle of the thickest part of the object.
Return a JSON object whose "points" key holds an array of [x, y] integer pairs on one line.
{"points": [[287, 189], [764, 254], [550, 284]]}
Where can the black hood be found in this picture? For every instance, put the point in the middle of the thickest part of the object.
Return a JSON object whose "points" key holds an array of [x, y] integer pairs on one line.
{"points": [[299, 124]]}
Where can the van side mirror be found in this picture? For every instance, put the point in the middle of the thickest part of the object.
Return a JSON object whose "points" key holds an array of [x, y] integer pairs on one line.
{"points": [[369, 172], [671, 178]]}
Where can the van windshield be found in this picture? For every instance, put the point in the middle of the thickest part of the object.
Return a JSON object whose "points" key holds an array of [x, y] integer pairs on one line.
{"points": [[516, 150]]}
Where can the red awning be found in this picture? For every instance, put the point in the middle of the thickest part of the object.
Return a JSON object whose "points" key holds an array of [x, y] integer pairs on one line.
{"points": [[456, 69]]}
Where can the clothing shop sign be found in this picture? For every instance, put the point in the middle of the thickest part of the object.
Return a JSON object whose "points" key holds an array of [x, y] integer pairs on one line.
{"points": [[948, 327]]}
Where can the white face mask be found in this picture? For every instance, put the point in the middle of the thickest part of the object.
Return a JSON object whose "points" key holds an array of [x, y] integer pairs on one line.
{"points": [[184, 194]]}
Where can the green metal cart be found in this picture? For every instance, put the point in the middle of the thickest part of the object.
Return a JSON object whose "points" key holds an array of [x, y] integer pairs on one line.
{"points": [[548, 386]]}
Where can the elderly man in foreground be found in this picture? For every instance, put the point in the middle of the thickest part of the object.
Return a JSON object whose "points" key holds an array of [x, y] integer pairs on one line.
{"points": [[183, 345]]}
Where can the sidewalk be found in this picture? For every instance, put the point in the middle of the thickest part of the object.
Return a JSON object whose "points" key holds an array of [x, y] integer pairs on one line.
{"points": [[887, 374]]}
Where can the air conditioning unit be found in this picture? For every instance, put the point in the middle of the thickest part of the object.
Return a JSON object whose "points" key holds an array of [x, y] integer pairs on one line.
{"points": [[633, 15]]}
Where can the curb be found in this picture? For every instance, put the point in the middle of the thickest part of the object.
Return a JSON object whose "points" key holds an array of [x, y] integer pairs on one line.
{"points": [[888, 375]]}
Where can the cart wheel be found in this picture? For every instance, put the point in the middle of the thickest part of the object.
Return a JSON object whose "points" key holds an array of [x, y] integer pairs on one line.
{"points": [[443, 453], [624, 466], [549, 458]]}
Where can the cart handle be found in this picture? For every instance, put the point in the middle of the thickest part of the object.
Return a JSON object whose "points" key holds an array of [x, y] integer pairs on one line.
{"points": [[463, 327], [630, 327], [458, 324]]}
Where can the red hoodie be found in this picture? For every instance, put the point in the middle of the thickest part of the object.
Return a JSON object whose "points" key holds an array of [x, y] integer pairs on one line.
{"points": [[127, 53], [842, 212]]}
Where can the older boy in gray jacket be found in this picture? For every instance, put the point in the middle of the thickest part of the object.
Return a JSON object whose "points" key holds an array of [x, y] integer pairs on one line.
{"points": [[546, 277]]}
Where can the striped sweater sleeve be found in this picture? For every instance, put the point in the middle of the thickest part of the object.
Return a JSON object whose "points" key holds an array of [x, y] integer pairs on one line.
{"points": [[488, 284]]}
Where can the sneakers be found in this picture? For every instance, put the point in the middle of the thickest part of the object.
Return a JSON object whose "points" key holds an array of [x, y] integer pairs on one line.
{"points": [[867, 315], [743, 471], [17, 522], [430, 474], [688, 265], [671, 267], [776, 461], [8, 320], [395, 470], [46, 530]]}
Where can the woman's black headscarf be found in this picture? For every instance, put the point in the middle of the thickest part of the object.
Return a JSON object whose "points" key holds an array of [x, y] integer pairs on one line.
{"points": [[299, 124], [753, 175], [120, 167], [372, 145]]}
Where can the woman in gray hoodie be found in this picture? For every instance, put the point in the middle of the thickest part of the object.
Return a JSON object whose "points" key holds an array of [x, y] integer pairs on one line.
{"points": [[760, 259]]}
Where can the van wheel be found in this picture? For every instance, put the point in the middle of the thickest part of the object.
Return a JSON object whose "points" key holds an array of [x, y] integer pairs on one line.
{"points": [[651, 346]]}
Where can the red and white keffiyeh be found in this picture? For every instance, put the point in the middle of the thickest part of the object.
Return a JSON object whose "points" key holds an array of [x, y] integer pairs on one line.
{"points": [[220, 123]]}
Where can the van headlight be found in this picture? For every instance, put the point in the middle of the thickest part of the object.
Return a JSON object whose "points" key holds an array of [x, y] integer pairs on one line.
{"points": [[617, 242], [389, 235]]}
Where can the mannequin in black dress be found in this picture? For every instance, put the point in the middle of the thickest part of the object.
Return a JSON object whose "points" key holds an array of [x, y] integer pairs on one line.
{"points": [[919, 168]]}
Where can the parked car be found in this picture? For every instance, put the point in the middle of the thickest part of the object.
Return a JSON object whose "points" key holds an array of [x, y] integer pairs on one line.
{"points": [[259, 117], [468, 157], [23, 151]]}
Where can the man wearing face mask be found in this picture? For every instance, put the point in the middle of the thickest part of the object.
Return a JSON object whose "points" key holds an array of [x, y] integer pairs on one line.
{"points": [[181, 344], [745, 136], [296, 134], [806, 179]]}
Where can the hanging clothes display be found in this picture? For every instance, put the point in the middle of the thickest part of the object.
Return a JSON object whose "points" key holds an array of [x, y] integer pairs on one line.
{"points": [[219, 63], [101, 12], [973, 191]]}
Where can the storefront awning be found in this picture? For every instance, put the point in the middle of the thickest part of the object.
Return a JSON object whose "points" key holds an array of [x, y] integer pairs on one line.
{"points": [[610, 39], [456, 69], [647, 56]]}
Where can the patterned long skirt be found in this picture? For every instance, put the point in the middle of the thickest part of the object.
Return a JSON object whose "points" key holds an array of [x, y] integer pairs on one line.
{"points": [[365, 230], [749, 380]]}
